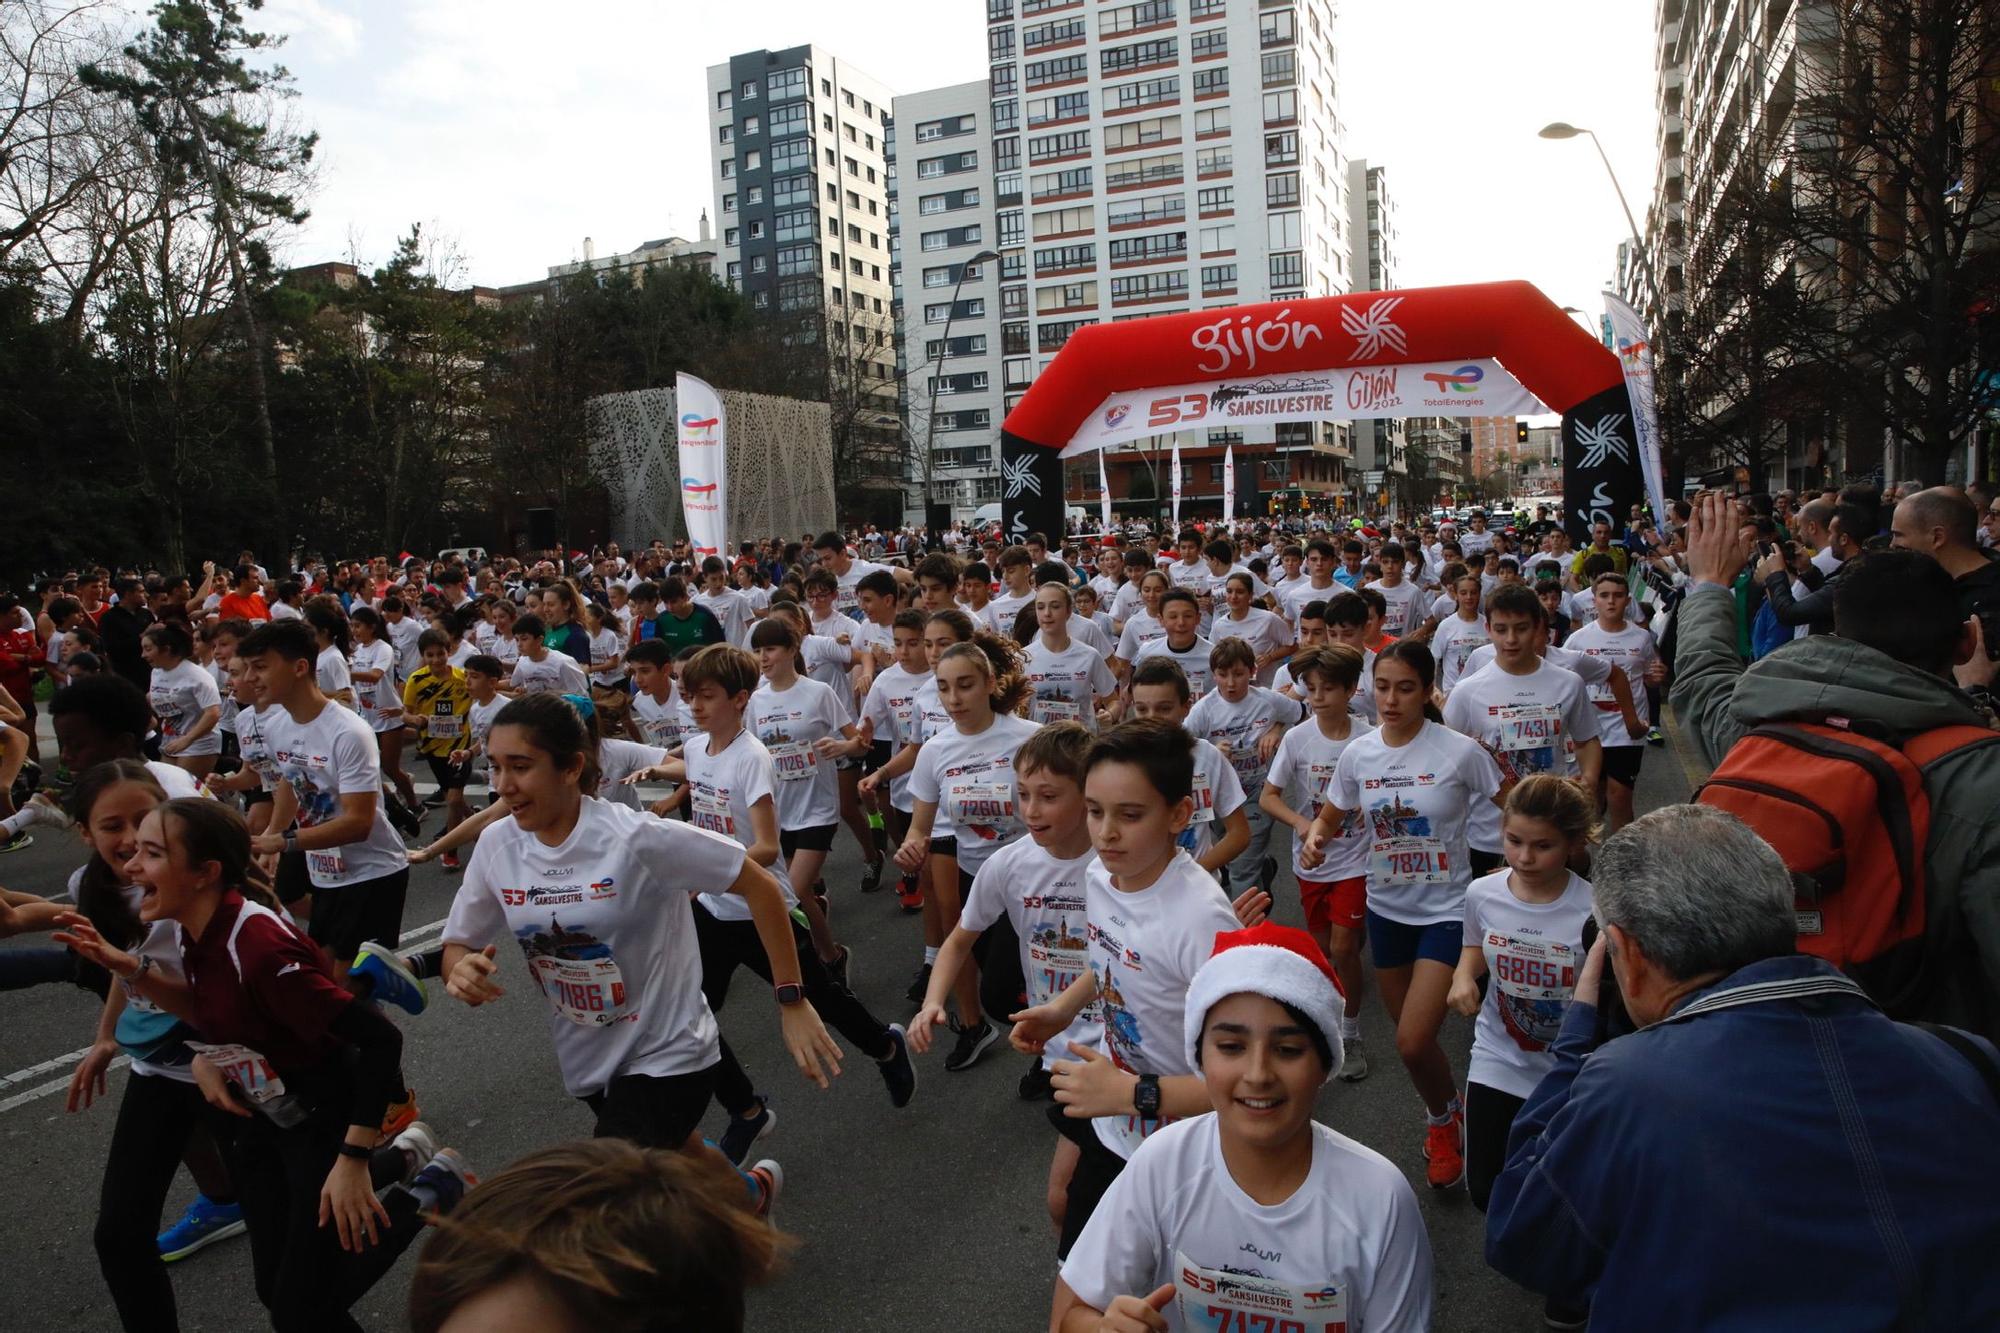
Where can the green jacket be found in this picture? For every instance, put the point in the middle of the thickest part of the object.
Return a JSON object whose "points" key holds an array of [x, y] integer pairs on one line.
{"points": [[1716, 699]]}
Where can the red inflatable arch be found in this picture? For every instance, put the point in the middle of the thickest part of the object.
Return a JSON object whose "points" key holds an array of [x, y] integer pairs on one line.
{"points": [[1488, 349]]}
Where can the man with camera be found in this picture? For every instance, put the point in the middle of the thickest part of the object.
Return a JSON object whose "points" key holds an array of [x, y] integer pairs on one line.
{"points": [[1767, 1150]]}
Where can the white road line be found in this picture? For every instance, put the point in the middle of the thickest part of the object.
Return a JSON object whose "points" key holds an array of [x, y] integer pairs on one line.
{"points": [[414, 935]]}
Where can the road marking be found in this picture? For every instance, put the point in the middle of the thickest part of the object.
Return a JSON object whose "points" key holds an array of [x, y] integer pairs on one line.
{"points": [[414, 935]]}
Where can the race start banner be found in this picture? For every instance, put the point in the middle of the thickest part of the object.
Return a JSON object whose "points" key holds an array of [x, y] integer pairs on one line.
{"points": [[701, 430]]}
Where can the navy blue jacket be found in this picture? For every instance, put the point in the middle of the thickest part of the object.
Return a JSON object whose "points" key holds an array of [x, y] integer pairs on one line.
{"points": [[1776, 1154]]}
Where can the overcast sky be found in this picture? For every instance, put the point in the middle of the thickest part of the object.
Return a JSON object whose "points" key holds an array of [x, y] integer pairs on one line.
{"points": [[515, 128]]}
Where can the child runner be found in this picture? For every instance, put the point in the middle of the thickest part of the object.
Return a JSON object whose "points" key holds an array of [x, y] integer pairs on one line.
{"points": [[1269, 635], [1614, 638], [1160, 690], [1180, 616], [436, 705], [1334, 892], [1070, 681], [184, 698], [1143, 626], [1459, 634], [1151, 914], [1257, 1216], [655, 715], [1413, 783], [540, 669], [1245, 722], [889, 714], [1525, 927], [377, 698], [333, 642]]}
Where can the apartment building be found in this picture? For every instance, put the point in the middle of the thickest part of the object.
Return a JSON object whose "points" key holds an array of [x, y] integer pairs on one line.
{"points": [[1159, 157], [1381, 446]]}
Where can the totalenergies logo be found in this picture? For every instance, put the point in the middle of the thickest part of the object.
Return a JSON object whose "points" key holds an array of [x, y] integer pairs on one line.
{"points": [[1631, 350], [696, 486], [694, 424], [1461, 380]]}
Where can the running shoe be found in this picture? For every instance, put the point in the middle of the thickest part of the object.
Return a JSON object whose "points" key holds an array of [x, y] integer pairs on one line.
{"points": [[770, 1178], [46, 811], [1353, 1060], [972, 1043], [400, 1115], [435, 800], [450, 863], [898, 1073], [1654, 737], [1560, 1314], [1035, 1085], [871, 877], [920, 985], [390, 979], [837, 969], [910, 894], [1444, 1153], [204, 1223], [444, 1179], [17, 842], [418, 1145], [736, 1140]]}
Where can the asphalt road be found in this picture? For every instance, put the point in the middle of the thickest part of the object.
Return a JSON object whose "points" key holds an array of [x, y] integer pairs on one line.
{"points": [[927, 1218]]}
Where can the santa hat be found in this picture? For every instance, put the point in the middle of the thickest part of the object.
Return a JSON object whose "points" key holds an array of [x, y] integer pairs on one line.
{"points": [[1281, 963]]}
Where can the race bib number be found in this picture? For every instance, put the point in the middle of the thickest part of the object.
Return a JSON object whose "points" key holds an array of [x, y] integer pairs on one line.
{"points": [[1529, 726], [1534, 979], [1409, 861], [1055, 708], [445, 727], [661, 731], [982, 804], [794, 760], [329, 862], [1204, 799], [711, 812], [1225, 1302], [589, 992], [1317, 776], [245, 1068], [1058, 956]]}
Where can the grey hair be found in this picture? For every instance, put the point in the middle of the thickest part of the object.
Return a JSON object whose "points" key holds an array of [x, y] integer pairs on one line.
{"points": [[1698, 889]]}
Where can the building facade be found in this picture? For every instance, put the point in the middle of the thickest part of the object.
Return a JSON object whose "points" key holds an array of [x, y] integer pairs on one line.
{"points": [[678, 250]]}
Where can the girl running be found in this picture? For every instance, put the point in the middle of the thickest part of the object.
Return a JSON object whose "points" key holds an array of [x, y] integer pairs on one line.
{"points": [[335, 640], [378, 696], [1069, 681], [184, 698]]}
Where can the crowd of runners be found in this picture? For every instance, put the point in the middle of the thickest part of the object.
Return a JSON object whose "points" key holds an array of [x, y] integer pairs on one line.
{"points": [[1069, 760]]}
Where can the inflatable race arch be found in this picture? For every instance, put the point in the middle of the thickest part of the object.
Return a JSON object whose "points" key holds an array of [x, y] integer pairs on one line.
{"points": [[1490, 349]]}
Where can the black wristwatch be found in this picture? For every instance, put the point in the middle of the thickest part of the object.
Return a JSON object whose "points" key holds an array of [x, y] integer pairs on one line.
{"points": [[789, 993], [1146, 1097]]}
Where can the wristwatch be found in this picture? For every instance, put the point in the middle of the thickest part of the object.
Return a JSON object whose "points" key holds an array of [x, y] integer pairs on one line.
{"points": [[1146, 1097], [789, 993], [291, 840]]}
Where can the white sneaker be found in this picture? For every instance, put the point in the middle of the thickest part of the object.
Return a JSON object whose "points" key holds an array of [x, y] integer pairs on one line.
{"points": [[419, 1145], [1353, 1060]]}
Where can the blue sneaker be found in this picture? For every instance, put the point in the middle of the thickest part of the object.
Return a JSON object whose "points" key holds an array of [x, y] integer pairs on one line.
{"points": [[204, 1223], [390, 977]]}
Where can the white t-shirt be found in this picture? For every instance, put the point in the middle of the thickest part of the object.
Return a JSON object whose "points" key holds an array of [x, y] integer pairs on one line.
{"points": [[970, 779], [403, 635], [1128, 602], [1455, 641], [844, 599], [174, 780], [1004, 609], [1475, 543], [721, 790], [1530, 724], [659, 723], [1632, 650], [614, 955], [731, 608], [1264, 631], [378, 701], [479, 725], [1141, 628], [1533, 952], [1193, 660], [1240, 727], [179, 697], [556, 673], [332, 756], [1088, 633], [891, 707], [605, 645], [827, 660], [1347, 1251], [253, 745], [1217, 795], [1067, 684], [1414, 800], [617, 760], [286, 611], [1301, 769], [1043, 899], [332, 673], [1406, 603], [1145, 948], [1304, 594], [787, 723]]}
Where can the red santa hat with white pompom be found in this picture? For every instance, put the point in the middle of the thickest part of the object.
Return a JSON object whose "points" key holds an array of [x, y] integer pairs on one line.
{"points": [[1281, 963]]}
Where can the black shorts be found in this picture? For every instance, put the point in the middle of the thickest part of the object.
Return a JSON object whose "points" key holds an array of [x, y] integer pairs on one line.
{"points": [[1621, 763], [880, 753], [345, 918], [816, 839], [449, 776], [653, 1111], [292, 882], [944, 847], [1096, 1168]]}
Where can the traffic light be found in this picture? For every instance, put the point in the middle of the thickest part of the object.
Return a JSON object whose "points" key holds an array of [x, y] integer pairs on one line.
{"points": [[1520, 432]]}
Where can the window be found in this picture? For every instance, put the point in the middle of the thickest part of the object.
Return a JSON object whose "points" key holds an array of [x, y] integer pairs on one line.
{"points": [[976, 419], [753, 160], [724, 100], [1135, 133], [753, 125], [1017, 372], [1281, 70], [1006, 115], [794, 259], [1149, 249], [796, 224], [1281, 150], [1277, 27], [1284, 230], [1066, 296], [793, 119], [1138, 55], [950, 236], [1209, 42], [786, 83], [1218, 279], [1003, 81], [999, 45], [747, 91], [1059, 258], [1126, 18], [759, 264], [1060, 69], [791, 155], [1052, 34], [1220, 199], [1287, 271], [1049, 147], [1013, 302], [790, 190], [1064, 221], [1076, 180], [729, 203], [853, 233], [855, 267], [971, 382], [927, 130], [1146, 92], [1162, 286], [1013, 339], [1212, 122], [1281, 108], [732, 236], [1139, 212], [972, 344], [1164, 169], [826, 87], [949, 164], [950, 199], [1213, 161], [853, 135], [1207, 9], [735, 273], [1051, 337], [762, 300], [1007, 154], [848, 97], [754, 195], [947, 274], [1281, 189], [1218, 240], [970, 308], [1013, 228], [725, 134], [1063, 106], [1212, 82], [728, 168]]}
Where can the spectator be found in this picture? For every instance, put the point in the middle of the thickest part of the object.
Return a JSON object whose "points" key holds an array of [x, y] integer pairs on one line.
{"points": [[1816, 534], [1815, 610], [1943, 523], [121, 625], [1888, 666], [1812, 1202]]}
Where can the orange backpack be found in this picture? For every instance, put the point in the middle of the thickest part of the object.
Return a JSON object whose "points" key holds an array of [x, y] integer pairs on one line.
{"points": [[1851, 818]]}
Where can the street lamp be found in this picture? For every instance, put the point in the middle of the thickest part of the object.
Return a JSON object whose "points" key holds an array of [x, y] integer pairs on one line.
{"points": [[1560, 130], [944, 354]]}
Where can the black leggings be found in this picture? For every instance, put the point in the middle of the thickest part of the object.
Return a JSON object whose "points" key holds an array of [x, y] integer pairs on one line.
{"points": [[1489, 1117], [728, 945], [155, 1118], [303, 1277]]}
